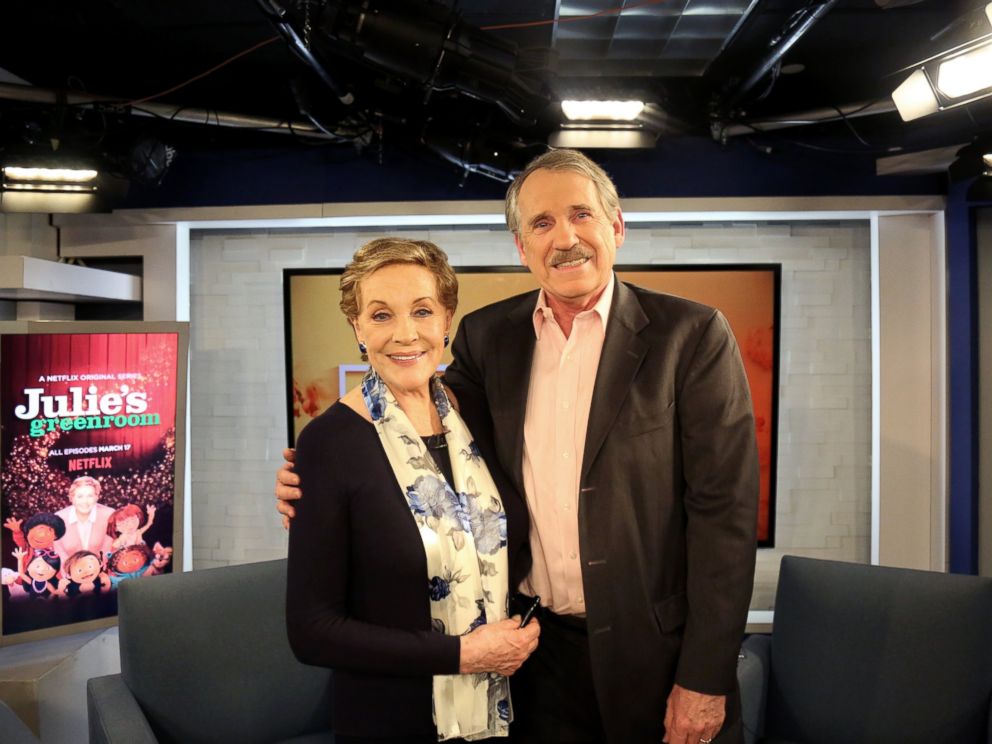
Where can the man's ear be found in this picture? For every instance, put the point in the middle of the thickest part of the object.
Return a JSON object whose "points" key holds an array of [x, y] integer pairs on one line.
{"points": [[520, 249], [619, 228]]}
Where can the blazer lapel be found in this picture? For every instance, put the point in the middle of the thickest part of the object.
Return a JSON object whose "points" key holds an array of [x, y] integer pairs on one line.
{"points": [[515, 344], [623, 352]]}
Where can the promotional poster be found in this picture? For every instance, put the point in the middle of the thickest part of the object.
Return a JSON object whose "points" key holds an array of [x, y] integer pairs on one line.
{"points": [[87, 471]]}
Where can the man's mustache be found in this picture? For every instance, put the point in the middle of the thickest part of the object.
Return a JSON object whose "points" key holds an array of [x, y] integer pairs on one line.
{"points": [[574, 253]]}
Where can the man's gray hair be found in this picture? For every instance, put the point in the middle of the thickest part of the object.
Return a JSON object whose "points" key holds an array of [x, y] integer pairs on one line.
{"points": [[563, 160]]}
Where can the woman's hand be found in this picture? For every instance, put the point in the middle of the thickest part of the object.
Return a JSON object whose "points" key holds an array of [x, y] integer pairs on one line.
{"points": [[498, 647]]}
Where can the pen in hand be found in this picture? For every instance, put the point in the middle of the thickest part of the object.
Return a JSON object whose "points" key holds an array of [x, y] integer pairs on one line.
{"points": [[530, 612]]}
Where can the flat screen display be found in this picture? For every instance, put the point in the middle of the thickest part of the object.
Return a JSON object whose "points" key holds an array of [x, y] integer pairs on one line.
{"points": [[323, 362]]}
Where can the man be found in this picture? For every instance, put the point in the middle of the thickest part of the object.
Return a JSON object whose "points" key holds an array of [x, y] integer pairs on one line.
{"points": [[624, 417]]}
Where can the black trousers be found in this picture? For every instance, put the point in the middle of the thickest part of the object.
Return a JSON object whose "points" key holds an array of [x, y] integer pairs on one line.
{"points": [[553, 697]]}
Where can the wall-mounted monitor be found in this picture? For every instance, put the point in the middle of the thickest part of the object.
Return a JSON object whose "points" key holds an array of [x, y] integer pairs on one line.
{"points": [[322, 358]]}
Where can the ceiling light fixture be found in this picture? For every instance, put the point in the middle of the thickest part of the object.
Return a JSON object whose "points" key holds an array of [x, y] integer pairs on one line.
{"points": [[611, 139], [955, 78], [915, 97], [601, 110], [25, 178], [966, 73], [57, 183], [980, 189]]}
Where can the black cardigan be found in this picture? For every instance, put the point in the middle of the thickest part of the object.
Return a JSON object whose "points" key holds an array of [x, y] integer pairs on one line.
{"points": [[357, 593]]}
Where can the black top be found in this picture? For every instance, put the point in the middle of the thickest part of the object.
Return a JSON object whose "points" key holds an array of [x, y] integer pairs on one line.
{"points": [[357, 592], [438, 447]]}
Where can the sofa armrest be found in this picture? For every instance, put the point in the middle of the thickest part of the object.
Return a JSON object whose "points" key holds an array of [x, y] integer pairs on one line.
{"points": [[114, 715], [753, 670]]}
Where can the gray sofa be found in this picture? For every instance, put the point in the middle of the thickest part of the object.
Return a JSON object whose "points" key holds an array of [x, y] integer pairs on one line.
{"points": [[205, 658], [872, 655]]}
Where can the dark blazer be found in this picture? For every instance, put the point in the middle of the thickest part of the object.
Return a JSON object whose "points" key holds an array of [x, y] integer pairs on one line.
{"points": [[668, 495], [357, 595]]}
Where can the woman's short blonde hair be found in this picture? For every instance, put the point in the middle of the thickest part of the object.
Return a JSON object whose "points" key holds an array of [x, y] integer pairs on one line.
{"points": [[381, 252], [563, 160], [85, 480]]}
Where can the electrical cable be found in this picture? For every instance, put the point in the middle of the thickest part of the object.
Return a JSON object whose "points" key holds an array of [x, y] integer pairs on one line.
{"points": [[571, 19], [850, 126], [817, 148], [212, 70]]}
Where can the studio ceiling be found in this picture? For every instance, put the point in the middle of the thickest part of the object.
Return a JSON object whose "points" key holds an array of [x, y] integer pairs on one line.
{"points": [[103, 74]]}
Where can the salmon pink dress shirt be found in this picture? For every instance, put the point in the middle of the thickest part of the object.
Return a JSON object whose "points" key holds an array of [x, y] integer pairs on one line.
{"points": [[562, 378]]}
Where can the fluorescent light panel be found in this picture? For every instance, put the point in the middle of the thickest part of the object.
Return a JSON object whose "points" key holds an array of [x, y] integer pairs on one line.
{"points": [[67, 187], [602, 110], [601, 139], [20, 178], [49, 175]]}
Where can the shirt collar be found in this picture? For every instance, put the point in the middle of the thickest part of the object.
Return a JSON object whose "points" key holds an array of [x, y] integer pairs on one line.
{"points": [[74, 517], [602, 307]]}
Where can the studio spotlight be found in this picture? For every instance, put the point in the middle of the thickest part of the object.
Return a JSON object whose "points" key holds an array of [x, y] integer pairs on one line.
{"points": [[955, 78]]}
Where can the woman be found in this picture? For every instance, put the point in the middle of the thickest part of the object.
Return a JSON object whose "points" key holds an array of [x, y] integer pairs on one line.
{"points": [[400, 568], [85, 520]]}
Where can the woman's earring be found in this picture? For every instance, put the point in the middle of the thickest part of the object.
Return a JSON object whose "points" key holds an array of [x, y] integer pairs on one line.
{"points": [[446, 341], [363, 348]]}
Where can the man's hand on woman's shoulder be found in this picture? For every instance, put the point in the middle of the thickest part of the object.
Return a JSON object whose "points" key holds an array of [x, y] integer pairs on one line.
{"points": [[287, 487]]}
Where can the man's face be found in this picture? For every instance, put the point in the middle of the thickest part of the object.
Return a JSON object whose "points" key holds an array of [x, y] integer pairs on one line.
{"points": [[566, 239], [83, 498]]}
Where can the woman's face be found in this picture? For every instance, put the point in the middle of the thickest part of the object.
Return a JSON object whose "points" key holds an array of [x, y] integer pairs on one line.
{"points": [[83, 498], [403, 324], [39, 570]]}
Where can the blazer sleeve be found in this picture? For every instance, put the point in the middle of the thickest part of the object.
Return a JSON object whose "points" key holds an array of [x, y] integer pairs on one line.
{"points": [[720, 463], [466, 378], [321, 632]]}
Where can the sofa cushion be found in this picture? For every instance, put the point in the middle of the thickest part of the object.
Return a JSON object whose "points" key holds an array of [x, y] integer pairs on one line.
{"points": [[206, 656]]}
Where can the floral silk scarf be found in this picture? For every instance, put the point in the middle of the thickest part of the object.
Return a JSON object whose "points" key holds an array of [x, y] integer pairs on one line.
{"points": [[463, 527]]}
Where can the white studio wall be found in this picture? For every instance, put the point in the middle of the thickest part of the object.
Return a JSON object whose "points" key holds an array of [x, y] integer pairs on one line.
{"points": [[237, 377]]}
